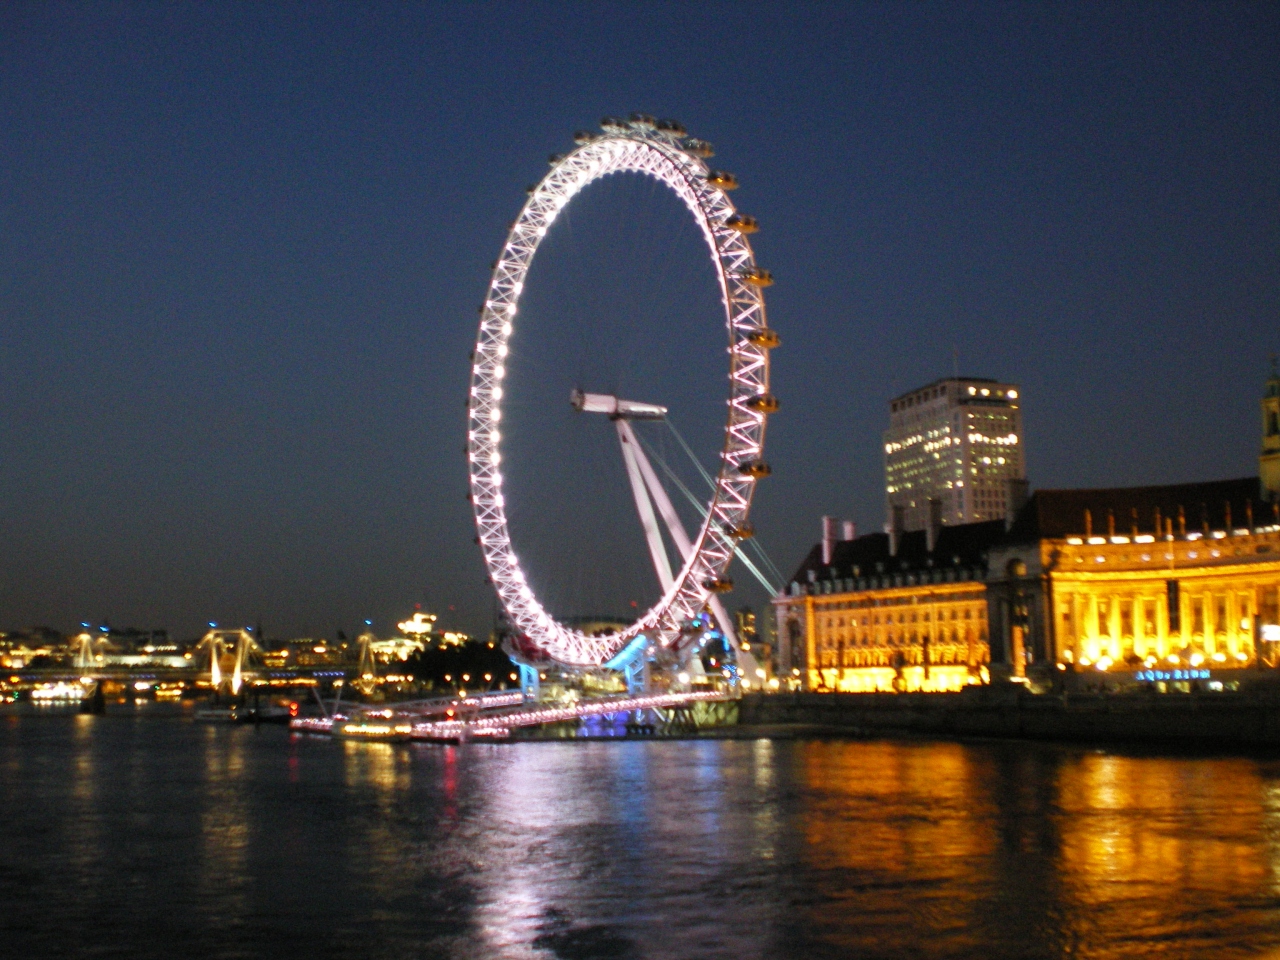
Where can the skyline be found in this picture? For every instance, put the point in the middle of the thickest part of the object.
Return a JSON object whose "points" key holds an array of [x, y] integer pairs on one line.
{"points": [[242, 250]]}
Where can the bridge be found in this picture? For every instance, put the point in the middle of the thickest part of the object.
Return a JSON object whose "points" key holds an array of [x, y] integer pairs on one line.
{"points": [[497, 716]]}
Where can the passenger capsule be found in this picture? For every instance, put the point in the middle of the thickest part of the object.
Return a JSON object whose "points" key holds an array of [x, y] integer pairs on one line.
{"points": [[643, 120], [584, 136], [718, 584], [744, 531], [555, 158], [758, 278], [613, 125], [764, 337], [699, 148], [742, 223], [764, 403], [673, 127], [755, 469], [722, 180]]}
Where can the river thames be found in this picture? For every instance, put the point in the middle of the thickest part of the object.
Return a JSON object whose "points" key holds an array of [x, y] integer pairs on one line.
{"points": [[148, 835]]}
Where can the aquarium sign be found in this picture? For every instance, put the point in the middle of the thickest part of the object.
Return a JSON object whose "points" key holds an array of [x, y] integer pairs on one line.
{"points": [[1153, 675]]}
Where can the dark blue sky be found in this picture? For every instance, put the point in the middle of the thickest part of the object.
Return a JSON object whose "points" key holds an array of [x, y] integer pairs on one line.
{"points": [[241, 249]]}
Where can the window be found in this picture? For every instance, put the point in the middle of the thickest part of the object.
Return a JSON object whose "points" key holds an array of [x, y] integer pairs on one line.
{"points": [[1173, 604]]}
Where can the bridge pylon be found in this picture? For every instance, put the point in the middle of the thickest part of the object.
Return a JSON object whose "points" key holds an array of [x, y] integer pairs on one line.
{"points": [[367, 667], [85, 660], [218, 643]]}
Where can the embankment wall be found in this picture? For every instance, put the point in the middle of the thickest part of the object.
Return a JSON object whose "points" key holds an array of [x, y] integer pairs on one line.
{"points": [[1217, 719]]}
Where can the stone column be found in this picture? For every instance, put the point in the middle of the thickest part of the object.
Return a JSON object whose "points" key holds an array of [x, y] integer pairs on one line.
{"points": [[1140, 625], [1091, 624], [1077, 626], [1113, 609], [809, 669]]}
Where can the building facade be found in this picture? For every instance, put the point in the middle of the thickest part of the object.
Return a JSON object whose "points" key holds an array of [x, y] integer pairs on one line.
{"points": [[1086, 588], [889, 612], [1157, 583], [957, 441]]}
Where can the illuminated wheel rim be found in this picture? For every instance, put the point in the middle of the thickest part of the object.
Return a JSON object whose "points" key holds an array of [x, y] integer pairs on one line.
{"points": [[673, 160]]}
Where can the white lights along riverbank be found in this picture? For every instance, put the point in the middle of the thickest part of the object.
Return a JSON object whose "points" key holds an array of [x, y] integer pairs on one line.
{"points": [[389, 725]]}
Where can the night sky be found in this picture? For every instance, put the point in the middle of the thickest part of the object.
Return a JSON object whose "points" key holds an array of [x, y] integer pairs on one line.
{"points": [[242, 247]]}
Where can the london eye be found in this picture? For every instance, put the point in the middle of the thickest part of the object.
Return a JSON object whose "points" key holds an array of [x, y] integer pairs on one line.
{"points": [[664, 152]]}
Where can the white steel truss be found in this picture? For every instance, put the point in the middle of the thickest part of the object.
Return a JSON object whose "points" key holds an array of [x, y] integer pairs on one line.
{"points": [[643, 478], [663, 151]]}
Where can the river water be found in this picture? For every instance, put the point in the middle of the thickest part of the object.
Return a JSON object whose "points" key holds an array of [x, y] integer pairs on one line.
{"points": [[148, 835]]}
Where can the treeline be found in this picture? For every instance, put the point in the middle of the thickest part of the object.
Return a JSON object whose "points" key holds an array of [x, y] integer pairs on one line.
{"points": [[465, 665]]}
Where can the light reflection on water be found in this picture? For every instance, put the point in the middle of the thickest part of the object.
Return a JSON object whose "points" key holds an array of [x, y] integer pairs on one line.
{"points": [[129, 835]]}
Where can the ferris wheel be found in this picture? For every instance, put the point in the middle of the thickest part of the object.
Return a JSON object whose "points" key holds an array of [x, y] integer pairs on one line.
{"points": [[662, 150]]}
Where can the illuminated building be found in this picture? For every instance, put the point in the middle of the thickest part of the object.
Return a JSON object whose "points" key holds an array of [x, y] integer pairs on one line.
{"points": [[418, 625], [958, 442], [1111, 587], [750, 639], [1269, 458], [1153, 583], [889, 611], [420, 629]]}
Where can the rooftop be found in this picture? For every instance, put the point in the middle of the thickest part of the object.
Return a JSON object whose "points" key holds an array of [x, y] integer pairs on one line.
{"points": [[1216, 505], [963, 546], [938, 383]]}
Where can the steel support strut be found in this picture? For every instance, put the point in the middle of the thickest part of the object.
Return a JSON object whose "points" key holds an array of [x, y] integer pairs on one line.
{"points": [[637, 462]]}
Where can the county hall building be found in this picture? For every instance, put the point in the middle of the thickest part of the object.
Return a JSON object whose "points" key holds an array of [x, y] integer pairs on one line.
{"points": [[1098, 588]]}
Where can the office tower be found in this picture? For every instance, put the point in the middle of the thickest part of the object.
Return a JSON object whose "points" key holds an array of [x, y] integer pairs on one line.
{"points": [[958, 442]]}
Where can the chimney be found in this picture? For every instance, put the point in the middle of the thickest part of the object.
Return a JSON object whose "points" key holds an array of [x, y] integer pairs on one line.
{"points": [[828, 539], [1088, 523], [935, 524], [1111, 524], [848, 530], [1133, 522], [1248, 516], [897, 528], [1182, 522], [1227, 516], [1159, 523], [1019, 493]]}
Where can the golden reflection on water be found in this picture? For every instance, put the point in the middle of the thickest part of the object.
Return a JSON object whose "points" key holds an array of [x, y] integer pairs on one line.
{"points": [[892, 807], [1271, 802], [85, 822], [1122, 822], [384, 771], [1113, 849], [383, 766], [224, 822]]}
